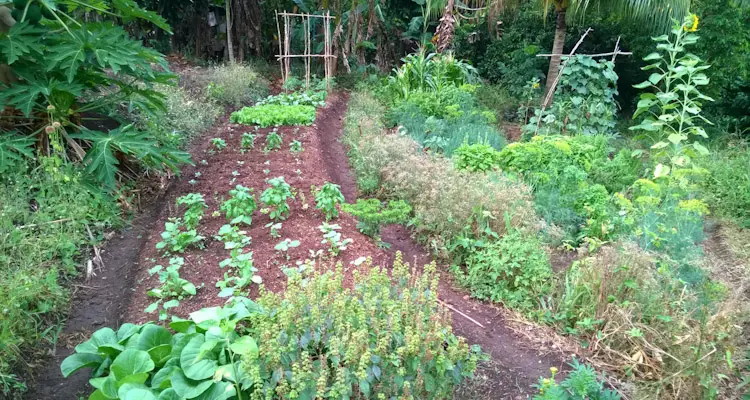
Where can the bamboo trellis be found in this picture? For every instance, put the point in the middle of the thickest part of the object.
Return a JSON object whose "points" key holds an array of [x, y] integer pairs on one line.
{"points": [[285, 44]]}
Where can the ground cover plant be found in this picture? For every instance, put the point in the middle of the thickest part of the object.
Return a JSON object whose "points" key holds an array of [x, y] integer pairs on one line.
{"points": [[275, 115]]}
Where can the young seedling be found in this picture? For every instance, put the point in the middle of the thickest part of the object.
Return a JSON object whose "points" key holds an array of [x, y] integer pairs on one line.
{"points": [[195, 206], [176, 240], [232, 237], [173, 288], [274, 229], [248, 141], [242, 265], [218, 143], [273, 141], [240, 206], [332, 237], [275, 198], [296, 147], [285, 245], [327, 198]]}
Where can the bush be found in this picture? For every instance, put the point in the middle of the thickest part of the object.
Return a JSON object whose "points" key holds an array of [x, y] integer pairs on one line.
{"points": [[318, 339], [235, 85], [372, 214], [186, 116], [476, 157], [43, 220], [513, 270], [274, 115], [443, 198]]}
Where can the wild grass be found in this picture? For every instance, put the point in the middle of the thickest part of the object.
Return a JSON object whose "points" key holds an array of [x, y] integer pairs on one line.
{"points": [[231, 85], [43, 226], [188, 114]]}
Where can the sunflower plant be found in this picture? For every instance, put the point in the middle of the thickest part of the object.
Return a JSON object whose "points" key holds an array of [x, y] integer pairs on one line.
{"points": [[671, 111]]}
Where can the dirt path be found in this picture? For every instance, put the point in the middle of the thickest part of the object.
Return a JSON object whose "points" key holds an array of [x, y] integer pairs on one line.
{"points": [[119, 293]]}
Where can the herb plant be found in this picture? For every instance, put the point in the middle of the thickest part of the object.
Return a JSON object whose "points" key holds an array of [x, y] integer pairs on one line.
{"points": [[386, 334], [239, 207], [476, 157], [581, 383], [275, 198], [273, 229], [327, 198], [372, 214]]}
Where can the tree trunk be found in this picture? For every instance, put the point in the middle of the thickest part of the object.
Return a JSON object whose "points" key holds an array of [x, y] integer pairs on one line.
{"points": [[230, 48], [557, 48]]}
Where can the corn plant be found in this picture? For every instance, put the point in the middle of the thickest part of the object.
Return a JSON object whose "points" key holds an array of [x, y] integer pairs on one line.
{"points": [[275, 198], [327, 198], [195, 206], [332, 237], [240, 206], [175, 239], [273, 141], [672, 112], [173, 288], [232, 237]]}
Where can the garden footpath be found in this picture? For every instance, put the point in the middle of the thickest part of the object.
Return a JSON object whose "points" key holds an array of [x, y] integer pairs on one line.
{"points": [[518, 354]]}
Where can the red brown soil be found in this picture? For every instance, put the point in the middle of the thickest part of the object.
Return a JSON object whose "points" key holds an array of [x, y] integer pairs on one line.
{"points": [[514, 365]]}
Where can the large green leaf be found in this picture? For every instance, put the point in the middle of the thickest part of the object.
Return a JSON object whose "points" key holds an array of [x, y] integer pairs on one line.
{"points": [[189, 388], [13, 149], [130, 10], [20, 40], [77, 361], [218, 391], [130, 362], [195, 363], [153, 336], [101, 337]]}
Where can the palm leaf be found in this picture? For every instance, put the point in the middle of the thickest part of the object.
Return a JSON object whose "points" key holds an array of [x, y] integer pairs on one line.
{"points": [[659, 14]]}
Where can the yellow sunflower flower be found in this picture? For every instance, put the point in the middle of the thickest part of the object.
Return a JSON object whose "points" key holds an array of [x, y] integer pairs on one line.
{"points": [[693, 27]]}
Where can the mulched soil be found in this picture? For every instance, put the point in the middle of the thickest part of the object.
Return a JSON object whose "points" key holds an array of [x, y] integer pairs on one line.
{"points": [[515, 363]]}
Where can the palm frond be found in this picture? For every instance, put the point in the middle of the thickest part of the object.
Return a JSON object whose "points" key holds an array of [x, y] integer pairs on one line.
{"points": [[658, 14]]}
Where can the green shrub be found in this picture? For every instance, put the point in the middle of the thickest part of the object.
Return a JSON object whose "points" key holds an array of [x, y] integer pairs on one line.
{"points": [[274, 115], [443, 198], [372, 214], [235, 85], [513, 270], [383, 339], [239, 207], [727, 186], [476, 157], [616, 173], [43, 229], [275, 198]]}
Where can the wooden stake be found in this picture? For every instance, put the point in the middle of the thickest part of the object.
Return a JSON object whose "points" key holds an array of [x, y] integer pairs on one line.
{"points": [[278, 38]]}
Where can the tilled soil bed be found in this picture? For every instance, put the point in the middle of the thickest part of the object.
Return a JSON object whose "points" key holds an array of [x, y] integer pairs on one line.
{"points": [[515, 363]]}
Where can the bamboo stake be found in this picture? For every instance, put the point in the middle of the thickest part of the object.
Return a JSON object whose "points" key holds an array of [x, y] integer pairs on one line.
{"points": [[278, 39]]}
